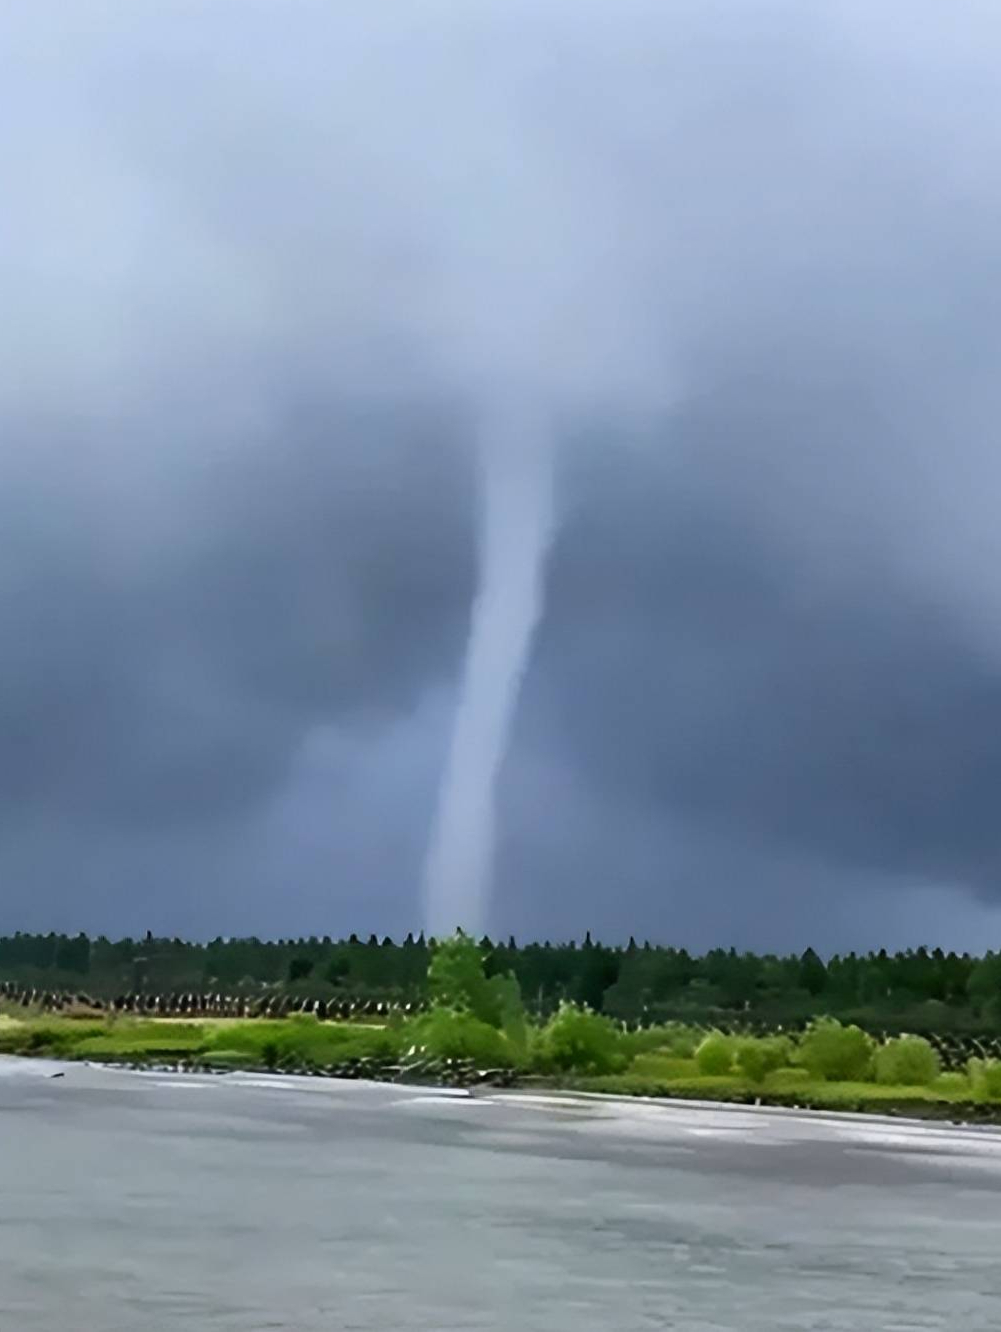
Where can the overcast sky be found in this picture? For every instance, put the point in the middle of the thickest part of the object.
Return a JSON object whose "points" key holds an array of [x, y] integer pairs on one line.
{"points": [[263, 266]]}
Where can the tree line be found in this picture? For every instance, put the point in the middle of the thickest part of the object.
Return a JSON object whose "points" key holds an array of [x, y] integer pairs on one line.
{"points": [[916, 990]]}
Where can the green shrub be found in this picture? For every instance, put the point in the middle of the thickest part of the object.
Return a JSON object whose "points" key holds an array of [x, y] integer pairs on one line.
{"points": [[683, 1041], [952, 1084], [644, 1040], [985, 1079], [757, 1057], [907, 1061], [457, 979], [788, 1079], [445, 1033], [714, 1055], [576, 1039], [674, 1038], [836, 1053], [506, 994], [664, 1066]]}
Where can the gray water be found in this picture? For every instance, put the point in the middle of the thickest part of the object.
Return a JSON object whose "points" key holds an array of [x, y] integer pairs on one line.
{"points": [[136, 1202]]}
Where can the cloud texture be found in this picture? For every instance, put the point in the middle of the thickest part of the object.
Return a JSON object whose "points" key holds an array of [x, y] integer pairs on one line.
{"points": [[262, 268]]}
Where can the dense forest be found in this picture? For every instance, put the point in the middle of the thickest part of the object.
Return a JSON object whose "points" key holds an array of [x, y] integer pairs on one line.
{"points": [[919, 990]]}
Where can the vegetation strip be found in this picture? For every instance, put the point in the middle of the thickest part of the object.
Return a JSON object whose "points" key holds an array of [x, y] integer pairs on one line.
{"points": [[476, 1030], [954, 998]]}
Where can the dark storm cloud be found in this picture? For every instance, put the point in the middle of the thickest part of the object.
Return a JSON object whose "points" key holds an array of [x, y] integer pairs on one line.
{"points": [[328, 572], [833, 709], [261, 273]]}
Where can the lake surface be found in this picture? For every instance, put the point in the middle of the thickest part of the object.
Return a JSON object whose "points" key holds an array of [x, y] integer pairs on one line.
{"points": [[141, 1203]]}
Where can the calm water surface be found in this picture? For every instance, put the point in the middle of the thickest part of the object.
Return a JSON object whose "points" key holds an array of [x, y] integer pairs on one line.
{"points": [[140, 1203]]}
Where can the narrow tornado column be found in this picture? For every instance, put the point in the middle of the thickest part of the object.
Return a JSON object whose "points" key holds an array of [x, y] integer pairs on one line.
{"points": [[515, 455]]}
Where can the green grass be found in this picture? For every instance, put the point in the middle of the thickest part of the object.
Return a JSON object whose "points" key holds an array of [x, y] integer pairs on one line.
{"points": [[655, 1070], [632, 1083], [226, 1059], [786, 1087], [301, 1041], [125, 1044], [48, 1036]]}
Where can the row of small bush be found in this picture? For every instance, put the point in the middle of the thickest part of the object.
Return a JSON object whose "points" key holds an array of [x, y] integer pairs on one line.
{"points": [[830, 1052], [576, 1041]]}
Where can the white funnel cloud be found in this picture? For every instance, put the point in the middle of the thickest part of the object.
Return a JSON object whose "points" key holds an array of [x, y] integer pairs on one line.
{"points": [[516, 529]]}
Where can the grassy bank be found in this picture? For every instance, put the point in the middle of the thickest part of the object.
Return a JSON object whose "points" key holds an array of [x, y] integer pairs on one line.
{"points": [[477, 1031], [303, 1045], [948, 1097]]}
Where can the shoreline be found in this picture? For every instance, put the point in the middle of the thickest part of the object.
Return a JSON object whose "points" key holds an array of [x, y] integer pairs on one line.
{"points": [[937, 1114]]}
